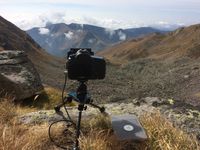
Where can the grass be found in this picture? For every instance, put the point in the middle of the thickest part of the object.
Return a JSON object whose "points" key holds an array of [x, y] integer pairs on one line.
{"points": [[163, 135], [7, 110], [48, 99], [96, 133]]}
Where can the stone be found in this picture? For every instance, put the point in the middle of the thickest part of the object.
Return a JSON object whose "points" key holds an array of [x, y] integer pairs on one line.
{"points": [[18, 76], [186, 76], [187, 119]]}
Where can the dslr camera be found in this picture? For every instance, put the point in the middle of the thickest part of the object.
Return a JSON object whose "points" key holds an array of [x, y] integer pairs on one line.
{"points": [[82, 65]]}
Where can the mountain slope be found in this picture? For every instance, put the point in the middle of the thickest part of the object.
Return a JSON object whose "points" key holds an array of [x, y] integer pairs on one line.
{"points": [[57, 39], [161, 65], [12, 38], [170, 46]]}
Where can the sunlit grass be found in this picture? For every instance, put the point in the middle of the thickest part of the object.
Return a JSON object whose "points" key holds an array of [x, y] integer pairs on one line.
{"points": [[163, 135]]}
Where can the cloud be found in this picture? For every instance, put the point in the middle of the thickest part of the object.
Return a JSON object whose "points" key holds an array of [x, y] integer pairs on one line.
{"points": [[164, 25], [91, 41], [43, 31], [63, 17], [110, 32], [69, 35], [26, 21], [122, 36]]}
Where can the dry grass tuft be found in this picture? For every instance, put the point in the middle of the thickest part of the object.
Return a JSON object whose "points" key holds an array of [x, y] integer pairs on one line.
{"points": [[100, 122], [48, 99], [38, 138], [162, 134], [18, 137], [13, 137], [7, 110], [95, 140]]}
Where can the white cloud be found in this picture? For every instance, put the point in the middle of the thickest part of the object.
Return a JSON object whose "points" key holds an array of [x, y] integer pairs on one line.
{"points": [[27, 21], [69, 35], [162, 22], [40, 20], [111, 32], [164, 25], [122, 36], [91, 41], [43, 31]]}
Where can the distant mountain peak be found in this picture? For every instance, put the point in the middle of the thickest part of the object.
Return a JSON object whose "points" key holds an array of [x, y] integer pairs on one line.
{"points": [[58, 38]]}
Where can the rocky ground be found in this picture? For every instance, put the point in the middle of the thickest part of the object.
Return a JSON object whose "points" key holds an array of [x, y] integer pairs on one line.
{"points": [[181, 115]]}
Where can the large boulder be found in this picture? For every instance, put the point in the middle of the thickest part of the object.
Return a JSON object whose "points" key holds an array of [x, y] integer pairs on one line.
{"points": [[18, 77]]}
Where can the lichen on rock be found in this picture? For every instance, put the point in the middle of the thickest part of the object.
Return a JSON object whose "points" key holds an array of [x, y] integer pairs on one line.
{"points": [[18, 76]]}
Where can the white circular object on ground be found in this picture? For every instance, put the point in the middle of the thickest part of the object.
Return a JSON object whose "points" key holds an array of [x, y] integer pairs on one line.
{"points": [[128, 127]]}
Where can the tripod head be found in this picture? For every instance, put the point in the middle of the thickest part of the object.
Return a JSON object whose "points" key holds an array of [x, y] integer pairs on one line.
{"points": [[81, 96]]}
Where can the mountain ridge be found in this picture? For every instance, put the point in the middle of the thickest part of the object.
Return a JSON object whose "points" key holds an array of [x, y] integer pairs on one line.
{"points": [[183, 42], [60, 37]]}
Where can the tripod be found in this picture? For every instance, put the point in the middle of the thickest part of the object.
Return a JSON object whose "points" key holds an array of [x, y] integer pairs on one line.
{"points": [[82, 97]]}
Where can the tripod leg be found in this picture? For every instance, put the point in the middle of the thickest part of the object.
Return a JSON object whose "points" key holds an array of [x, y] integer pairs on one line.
{"points": [[101, 109], [80, 108], [65, 101]]}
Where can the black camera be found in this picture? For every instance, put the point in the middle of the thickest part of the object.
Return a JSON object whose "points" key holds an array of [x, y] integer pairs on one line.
{"points": [[82, 65]]}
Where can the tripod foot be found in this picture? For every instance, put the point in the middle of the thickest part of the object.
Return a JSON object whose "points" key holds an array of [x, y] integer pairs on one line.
{"points": [[102, 109]]}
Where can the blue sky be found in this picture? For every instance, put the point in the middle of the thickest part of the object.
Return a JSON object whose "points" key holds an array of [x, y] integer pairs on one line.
{"points": [[108, 13]]}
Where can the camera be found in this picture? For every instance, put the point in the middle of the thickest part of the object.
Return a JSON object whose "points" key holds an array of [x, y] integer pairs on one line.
{"points": [[82, 65]]}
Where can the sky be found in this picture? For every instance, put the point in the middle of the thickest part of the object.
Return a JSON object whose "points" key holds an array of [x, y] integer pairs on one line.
{"points": [[111, 14]]}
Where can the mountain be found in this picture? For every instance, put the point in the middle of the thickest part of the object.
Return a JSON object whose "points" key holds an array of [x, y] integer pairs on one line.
{"points": [[162, 65], [170, 46], [57, 39], [12, 38]]}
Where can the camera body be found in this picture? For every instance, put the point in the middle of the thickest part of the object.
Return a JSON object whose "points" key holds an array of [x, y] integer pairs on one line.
{"points": [[82, 65]]}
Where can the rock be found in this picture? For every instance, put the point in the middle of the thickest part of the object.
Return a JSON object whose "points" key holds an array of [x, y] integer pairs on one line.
{"points": [[186, 119], [111, 109], [18, 77], [186, 76]]}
